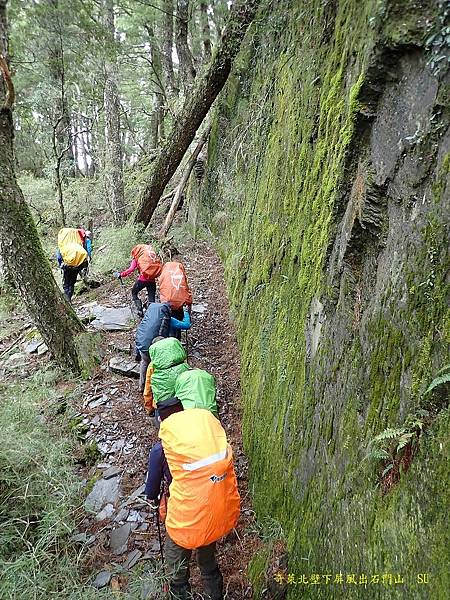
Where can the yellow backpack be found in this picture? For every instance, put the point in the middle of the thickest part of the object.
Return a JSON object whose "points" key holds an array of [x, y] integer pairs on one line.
{"points": [[70, 245]]}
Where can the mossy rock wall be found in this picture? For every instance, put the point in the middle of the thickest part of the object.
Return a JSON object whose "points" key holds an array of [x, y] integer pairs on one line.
{"points": [[327, 186]]}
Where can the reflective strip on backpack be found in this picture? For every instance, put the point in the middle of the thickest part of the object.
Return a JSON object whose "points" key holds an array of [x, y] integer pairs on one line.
{"points": [[204, 462]]}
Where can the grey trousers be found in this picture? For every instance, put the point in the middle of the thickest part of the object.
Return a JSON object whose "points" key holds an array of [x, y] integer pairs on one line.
{"points": [[145, 361], [177, 561]]}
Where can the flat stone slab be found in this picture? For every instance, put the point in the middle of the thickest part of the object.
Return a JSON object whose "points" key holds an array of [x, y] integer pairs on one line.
{"points": [[105, 513], [134, 496], [125, 367], [105, 491], [42, 349], [111, 472], [33, 345], [112, 319], [118, 539], [102, 579], [132, 559], [199, 308]]}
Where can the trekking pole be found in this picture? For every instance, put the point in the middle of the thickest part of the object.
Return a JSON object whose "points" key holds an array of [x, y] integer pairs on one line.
{"points": [[187, 345], [158, 526]]}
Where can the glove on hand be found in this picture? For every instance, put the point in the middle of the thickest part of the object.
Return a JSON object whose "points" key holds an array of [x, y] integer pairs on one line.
{"points": [[117, 275]]}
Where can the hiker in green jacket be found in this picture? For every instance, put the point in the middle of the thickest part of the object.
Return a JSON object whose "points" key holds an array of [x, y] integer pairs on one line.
{"points": [[196, 388]]}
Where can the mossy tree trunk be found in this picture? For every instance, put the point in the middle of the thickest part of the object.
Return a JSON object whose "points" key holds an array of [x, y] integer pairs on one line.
{"points": [[195, 108], [22, 252]]}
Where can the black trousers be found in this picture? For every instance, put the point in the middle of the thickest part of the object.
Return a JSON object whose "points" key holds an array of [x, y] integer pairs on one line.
{"points": [[138, 287], [70, 275]]}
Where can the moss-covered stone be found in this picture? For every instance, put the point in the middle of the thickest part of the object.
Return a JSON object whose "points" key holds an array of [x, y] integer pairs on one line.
{"points": [[328, 167]]}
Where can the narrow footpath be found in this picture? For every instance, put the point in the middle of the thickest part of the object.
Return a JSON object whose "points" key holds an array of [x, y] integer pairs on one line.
{"points": [[119, 530]]}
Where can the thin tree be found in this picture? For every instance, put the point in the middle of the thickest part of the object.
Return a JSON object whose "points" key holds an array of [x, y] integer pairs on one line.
{"points": [[187, 69], [195, 108], [113, 146], [167, 48], [206, 32], [21, 250]]}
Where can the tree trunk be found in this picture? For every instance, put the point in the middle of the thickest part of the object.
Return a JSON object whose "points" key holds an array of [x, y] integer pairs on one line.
{"points": [[180, 189], [159, 104], [167, 36], [22, 252], [206, 33], [113, 148], [187, 69], [195, 108], [57, 69]]}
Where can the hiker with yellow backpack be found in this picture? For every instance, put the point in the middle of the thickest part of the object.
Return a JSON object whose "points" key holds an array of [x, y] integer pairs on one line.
{"points": [[194, 457], [147, 262], [74, 252]]}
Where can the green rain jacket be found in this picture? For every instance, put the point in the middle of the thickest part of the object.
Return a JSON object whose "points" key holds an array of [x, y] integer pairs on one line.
{"points": [[168, 359], [196, 389]]}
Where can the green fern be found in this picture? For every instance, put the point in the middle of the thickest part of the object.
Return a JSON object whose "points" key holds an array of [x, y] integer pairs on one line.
{"points": [[389, 434], [438, 381]]}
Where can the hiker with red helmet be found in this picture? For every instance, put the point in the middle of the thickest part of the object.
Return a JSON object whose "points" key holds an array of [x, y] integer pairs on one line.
{"points": [[203, 503], [147, 262]]}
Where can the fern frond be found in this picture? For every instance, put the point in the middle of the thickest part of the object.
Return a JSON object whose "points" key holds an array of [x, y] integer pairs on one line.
{"points": [[377, 454], [404, 441], [387, 469], [437, 381], [389, 434]]}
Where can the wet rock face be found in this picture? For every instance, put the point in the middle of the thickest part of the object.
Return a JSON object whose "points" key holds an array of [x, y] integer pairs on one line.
{"points": [[335, 228]]}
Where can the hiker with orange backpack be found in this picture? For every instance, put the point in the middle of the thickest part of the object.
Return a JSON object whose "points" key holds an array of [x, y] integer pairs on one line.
{"points": [[174, 288], [204, 504], [74, 252], [147, 262]]}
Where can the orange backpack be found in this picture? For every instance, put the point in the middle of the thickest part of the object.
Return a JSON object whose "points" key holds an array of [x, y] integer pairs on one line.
{"points": [[204, 502], [147, 260], [173, 285]]}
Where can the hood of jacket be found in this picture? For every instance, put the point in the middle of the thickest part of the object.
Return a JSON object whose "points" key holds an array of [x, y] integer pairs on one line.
{"points": [[167, 353]]}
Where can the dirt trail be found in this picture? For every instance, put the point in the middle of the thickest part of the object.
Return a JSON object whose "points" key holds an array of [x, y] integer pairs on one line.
{"points": [[111, 408]]}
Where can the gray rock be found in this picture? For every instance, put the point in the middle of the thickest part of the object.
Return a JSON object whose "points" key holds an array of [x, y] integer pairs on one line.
{"points": [[111, 472], [112, 319], [132, 559], [105, 491], [121, 515], [135, 517], [142, 527], [105, 513], [98, 402], [199, 308], [118, 539], [122, 348], [83, 538], [102, 579], [42, 349], [33, 345], [122, 366], [134, 495]]}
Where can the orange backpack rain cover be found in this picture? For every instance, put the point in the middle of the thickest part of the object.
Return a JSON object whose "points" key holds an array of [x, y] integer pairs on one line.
{"points": [[147, 260], [204, 501], [173, 285]]}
